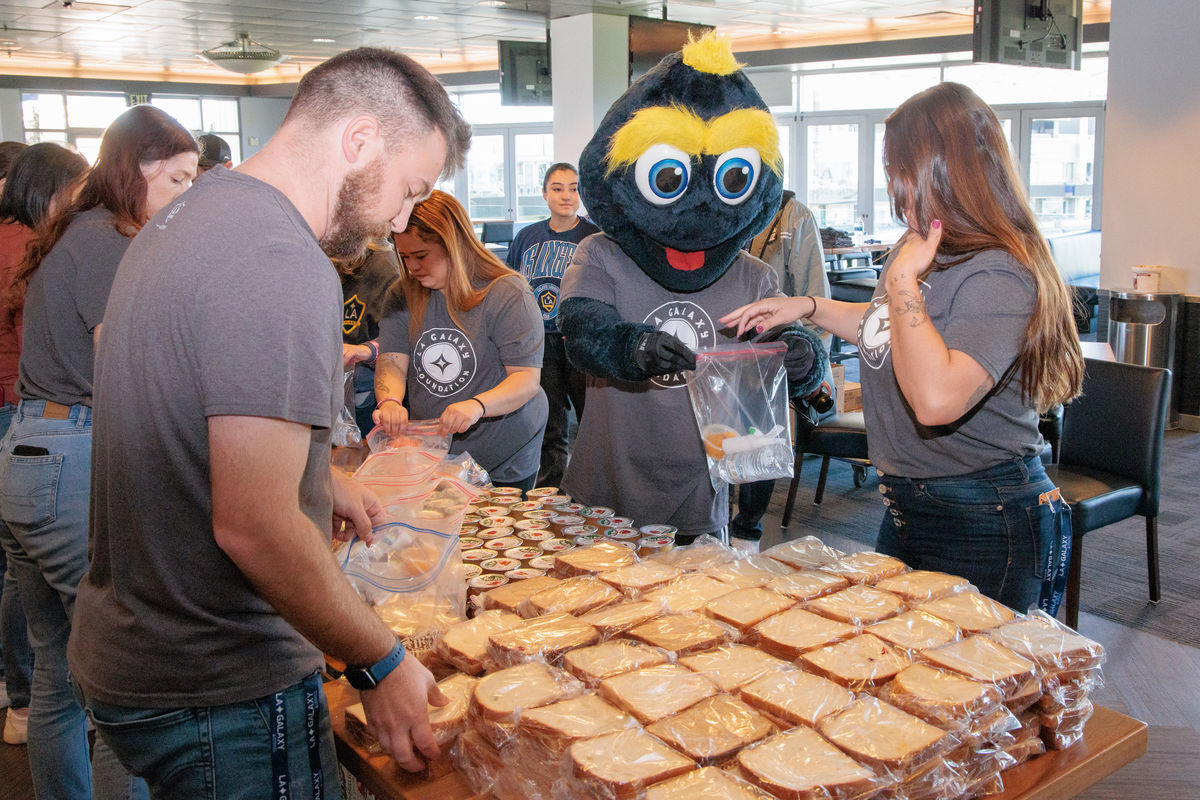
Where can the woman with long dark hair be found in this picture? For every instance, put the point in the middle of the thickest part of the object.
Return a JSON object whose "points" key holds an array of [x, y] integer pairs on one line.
{"points": [[146, 160], [461, 341], [968, 337]]}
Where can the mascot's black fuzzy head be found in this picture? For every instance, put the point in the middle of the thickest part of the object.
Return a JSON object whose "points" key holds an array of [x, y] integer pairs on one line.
{"points": [[685, 167]]}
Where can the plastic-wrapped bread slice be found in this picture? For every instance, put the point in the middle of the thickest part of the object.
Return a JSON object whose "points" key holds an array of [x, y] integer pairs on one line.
{"points": [[478, 761], [447, 721], [790, 633], [593, 664], [499, 698], [1064, 689], [619, 766], [714, 730], [464, 645], [571, 596], [703, 553], [914, 631], [1054, 647], [509, 596], [683, 634], [941, 698], [866, 567], [653, 693], [600, 557], [734, 665], [751, 571], [745, 608], [800, 764], [706, 783], [557, 726], [1028, 693], [807, 584], [934, 779], [982, 659], [636, 579], [858, 605], [542, 637], [616, 619], [688, 593], [807, 552], [796, 697], [1063, 728], [883, 737], [859, 664], [970, 611], [922, 585]]}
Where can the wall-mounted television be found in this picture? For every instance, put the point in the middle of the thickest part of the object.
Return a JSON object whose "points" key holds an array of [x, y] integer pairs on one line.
{"points": [[651, 39], [1036, 33], [524, 73]]}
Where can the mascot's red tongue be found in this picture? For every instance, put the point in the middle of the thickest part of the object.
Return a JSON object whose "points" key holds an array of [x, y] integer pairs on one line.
{"points": [[687, 262]]}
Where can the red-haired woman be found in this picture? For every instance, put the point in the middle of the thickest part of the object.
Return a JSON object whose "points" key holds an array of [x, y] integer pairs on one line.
{"points": [[146, 160]]}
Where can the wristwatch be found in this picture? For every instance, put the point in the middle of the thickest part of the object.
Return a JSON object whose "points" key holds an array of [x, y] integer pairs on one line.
{"points": [[364, 678]]}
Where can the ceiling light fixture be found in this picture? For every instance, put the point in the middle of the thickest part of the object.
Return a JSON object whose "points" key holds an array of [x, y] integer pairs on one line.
{"points": [[244, 56], [323, 41], [426, 17]]}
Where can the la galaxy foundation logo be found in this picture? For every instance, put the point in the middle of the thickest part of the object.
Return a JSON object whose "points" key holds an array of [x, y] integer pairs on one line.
{"points": [[875, 331], [444, 360], [689, 323]]}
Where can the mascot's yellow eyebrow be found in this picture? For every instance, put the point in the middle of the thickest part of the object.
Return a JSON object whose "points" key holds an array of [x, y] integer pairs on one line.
{"points": [[682, 128]]}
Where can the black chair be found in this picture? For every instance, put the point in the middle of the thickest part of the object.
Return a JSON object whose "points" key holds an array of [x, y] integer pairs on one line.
{"points": [[498, 232], [1109, 458], [1050, 425], [850, 290], [838, 436]]}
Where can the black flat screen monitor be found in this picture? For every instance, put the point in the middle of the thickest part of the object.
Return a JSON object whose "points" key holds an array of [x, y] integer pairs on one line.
{"points": [[524, 73], [651, 39], [1036, 33]]}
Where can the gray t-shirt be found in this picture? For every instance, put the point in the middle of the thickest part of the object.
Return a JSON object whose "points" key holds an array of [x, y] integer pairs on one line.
{"points": [[63, 305], [639, 449], [223, 305], [980, 307], [449, 363]]}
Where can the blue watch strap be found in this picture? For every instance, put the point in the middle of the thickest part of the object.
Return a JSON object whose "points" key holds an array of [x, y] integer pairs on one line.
{"points": [[364, 678]]}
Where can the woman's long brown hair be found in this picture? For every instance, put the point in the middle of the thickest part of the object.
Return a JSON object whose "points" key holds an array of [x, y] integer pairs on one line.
{"points": [[946, 158], [473, 268], [139, 135]]}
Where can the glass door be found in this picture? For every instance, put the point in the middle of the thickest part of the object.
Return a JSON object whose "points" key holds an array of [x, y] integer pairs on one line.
{"points": [[831, 173], [503, 176], [1062, 149]]}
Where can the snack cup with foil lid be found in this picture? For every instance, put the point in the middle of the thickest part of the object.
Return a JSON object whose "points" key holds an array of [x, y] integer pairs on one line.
{"points": [[571, 508], [497, 521], [532, 525], [542, 491], [488, 534], [544, 563], [616, 522], [556, 545], [478, 556], [571, 531], [488, 580], [567, 520], [469, 543], [524, 507], [523, 553], [523, 573], [551, 500], [599, 512], [541, 513], [500, 564], [536, 535], [659, 529], [652, 545], [504, 491], [623, 534], [494, 511], [471, 519], [588, 539], [468, 530], [503, 543], [471, 570]]}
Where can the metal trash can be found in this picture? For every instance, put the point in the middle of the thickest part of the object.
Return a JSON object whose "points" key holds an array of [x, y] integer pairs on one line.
{"points": [[1142, 329]]}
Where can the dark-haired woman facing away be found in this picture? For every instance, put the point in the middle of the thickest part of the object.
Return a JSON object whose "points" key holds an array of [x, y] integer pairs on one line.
{"points": [[146, 160], [969, 335]]}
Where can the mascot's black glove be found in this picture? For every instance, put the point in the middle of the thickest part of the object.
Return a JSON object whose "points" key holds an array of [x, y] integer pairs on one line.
{"points": [[798, 360], [805, 360], [661, 353]]}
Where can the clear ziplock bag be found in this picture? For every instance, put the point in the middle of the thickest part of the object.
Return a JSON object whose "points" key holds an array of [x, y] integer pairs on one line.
{"points": [[400, 466], [739, 396]]}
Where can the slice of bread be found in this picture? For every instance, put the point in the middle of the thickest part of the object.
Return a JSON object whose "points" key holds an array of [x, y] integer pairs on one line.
{"points": [[682, 634], [593, 664], [542, 637], [694, 557], [859, 664], [706, 783], [653, 693], [688, 593], [801, 765], [450, 720], [882, 736], [982, 659], [858, 605], [504, 694], [1052, 646], [922, 585], [713, 730], [745, 608], [807, 552], [970, 611], [807, 584], [478, 761], [600, 557], [619, 766], [572, 596], [796, 697], [790, 633], [557, 726], [509, 596], [915, 631], [866, 567], [641, 577], [464, 645], [938, 697], [616, 619], [734, 665], [750, 571]]}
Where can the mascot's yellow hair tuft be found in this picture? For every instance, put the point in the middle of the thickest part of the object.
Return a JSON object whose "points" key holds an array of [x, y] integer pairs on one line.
{"points": [[711, 53], [681, 127]]}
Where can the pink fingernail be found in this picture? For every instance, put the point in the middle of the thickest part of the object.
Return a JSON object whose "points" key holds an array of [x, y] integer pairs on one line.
{"points": [[760, 329], [937, 223]]}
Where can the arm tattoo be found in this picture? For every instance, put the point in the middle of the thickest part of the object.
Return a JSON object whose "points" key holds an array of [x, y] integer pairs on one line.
{"points": [[980, 392], [908, 302]]}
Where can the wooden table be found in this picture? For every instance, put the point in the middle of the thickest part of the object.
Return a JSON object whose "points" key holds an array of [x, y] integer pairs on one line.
{"points": [[1110, 741]]}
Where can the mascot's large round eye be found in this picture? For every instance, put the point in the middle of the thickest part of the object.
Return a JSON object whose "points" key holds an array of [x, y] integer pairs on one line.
{"points": [[736, 174], [662, 173]]}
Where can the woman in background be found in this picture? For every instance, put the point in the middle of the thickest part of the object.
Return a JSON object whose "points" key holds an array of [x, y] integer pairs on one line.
{"points": [[461, 341], [968, 337], [146, 160]]}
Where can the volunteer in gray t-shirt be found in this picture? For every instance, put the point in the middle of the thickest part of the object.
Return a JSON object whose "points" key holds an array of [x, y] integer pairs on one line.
{"points": [[461, 342], [968, 336]]}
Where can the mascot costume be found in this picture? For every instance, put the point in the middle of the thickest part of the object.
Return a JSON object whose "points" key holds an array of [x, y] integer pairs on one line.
{"points": [[682, 172]]}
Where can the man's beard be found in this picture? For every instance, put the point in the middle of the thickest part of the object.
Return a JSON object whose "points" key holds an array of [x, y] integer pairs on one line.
{"points": [[350, 229]]}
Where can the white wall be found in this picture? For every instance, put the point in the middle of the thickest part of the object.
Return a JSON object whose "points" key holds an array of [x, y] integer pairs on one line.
{"points": [[589, 59], [12, 127], [261, 117], [1151, 211]]}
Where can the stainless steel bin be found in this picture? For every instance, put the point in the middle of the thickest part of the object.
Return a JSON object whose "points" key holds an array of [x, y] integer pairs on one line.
{"points": [[1143, 328]]}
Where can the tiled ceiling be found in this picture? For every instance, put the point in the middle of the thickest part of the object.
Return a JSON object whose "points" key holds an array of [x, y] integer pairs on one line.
{"points": [[162, 39]]}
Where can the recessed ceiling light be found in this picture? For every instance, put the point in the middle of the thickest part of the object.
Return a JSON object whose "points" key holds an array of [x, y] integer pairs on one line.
{"points": [[493, 3], [324, 41], [425, 17]]}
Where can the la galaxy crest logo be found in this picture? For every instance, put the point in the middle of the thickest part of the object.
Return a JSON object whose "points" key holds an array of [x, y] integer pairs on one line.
{"points": [[689, 323], [444, 360], [353, 311], [875, 331], [546, 294]]}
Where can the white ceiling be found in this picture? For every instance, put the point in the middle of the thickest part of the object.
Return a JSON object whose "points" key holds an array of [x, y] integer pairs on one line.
{"points": [[162, 39]]}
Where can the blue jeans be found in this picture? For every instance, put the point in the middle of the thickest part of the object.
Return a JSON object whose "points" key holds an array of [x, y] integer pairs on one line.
{"points": [[14, 639], [44, 507], [988, 527], [278, 746]]}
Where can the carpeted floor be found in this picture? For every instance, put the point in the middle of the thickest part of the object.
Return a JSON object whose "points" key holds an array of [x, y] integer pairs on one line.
{"points": [[1114, 582]]}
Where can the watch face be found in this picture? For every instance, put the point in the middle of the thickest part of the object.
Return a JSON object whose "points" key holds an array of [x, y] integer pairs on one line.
{"points": [[359, 678]]}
